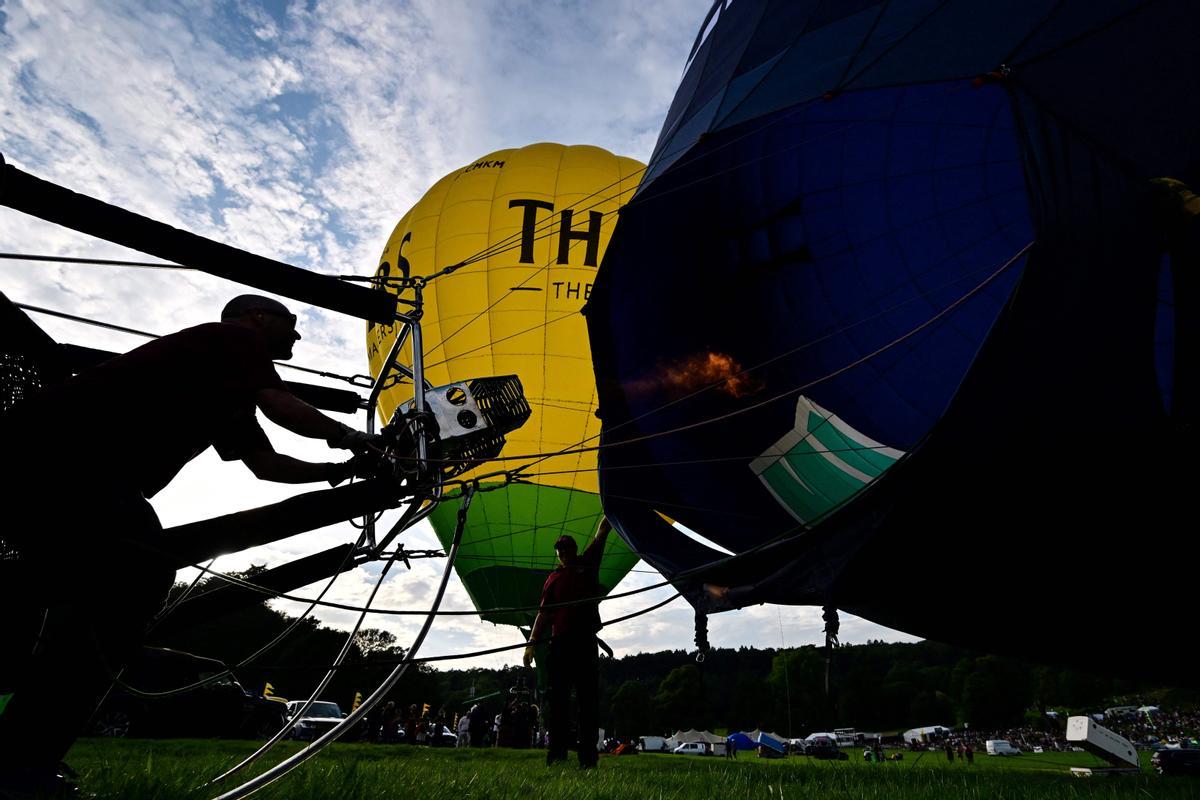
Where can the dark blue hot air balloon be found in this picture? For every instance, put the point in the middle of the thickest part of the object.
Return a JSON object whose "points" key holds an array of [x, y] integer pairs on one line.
{"points": [[903, 314]]}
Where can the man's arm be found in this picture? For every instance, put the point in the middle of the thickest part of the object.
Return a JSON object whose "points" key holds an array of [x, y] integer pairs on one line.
{"points": [[535, 636], [288, 411], [595, 549], [269, 465]]}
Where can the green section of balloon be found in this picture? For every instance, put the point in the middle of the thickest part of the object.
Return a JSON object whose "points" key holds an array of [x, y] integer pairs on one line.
{"points": [[506, 554]]}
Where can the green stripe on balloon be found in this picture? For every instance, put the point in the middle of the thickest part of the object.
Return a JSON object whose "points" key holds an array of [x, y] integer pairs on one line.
{"points": [[507, 548]]}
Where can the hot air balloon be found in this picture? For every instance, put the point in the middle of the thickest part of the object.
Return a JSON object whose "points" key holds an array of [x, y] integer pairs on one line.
{"points": [[531, 224], [924, 337]]}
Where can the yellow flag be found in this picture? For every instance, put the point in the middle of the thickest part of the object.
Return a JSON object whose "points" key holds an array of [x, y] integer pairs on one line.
{"points": [[357, 701], [268, 690]]}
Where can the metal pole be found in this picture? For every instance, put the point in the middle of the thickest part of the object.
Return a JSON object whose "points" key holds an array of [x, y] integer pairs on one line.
{"points": [[419, 379], [373, 402]]}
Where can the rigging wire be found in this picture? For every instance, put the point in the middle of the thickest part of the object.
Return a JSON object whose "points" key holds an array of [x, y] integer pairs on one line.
{"points": [[374, 662], [470, 487], [228, 671], [290, 763], [790, 392], [843, 329], [362, 381], [94, 261], [268, 745]]}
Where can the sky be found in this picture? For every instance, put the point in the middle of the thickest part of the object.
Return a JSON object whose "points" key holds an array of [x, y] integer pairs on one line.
{"points": [[303, 131]]}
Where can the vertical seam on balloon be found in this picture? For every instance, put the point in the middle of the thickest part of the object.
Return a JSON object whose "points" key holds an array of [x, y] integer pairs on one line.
{"points": [[545, 344], [883, 9], [799, 35], [896, 43]]}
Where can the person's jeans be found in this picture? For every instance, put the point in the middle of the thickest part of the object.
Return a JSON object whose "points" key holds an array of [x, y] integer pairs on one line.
{"points": [[573, 664]]}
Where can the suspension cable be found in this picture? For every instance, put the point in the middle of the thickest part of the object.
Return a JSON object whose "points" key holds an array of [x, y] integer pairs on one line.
{"points": [[362, 381], [290, 763], [95, 261], [267, 746]]}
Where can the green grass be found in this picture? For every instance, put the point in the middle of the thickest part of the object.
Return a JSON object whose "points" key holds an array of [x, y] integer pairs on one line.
{"points": [[172, 769]]}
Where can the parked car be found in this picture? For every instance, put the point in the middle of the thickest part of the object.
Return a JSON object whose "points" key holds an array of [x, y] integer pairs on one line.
{"points": [[320, 717], [218, 709], [691, 749], [825, 750], [1176, 762], [1000, 747]]}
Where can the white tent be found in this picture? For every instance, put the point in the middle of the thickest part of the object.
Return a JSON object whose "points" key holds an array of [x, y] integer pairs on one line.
{"points": [[694, 735]]}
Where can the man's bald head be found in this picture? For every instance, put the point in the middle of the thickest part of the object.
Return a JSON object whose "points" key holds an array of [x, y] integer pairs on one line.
{"points": [[270, 319], [243, 304]]}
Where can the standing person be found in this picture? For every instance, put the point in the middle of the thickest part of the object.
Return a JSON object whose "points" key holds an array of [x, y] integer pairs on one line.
{"points": [[126, 427], [572, 659], [477, 726], [464, 731]]}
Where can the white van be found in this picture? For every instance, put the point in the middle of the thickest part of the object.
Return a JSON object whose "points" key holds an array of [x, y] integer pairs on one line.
{"points": [[691, 749], [1001, 747], [652, 744]]}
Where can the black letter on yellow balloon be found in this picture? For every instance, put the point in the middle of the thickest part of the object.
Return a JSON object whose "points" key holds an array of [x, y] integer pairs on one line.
{"points": [[385, 270], [527, 224], [591, 236]]}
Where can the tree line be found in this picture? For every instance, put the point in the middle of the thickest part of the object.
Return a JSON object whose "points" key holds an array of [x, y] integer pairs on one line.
{"points": [[877, 686]]}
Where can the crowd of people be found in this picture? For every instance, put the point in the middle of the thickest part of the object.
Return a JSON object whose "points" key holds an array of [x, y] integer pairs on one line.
{"points": [[1146, 729], [516, 726]]}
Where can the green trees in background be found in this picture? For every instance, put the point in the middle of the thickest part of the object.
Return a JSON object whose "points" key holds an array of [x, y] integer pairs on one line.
{"points": [[876, 686]]}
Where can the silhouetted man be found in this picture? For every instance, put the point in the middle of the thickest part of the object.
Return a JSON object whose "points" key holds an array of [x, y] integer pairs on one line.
{"points": [[572, 659], [89, 453]]}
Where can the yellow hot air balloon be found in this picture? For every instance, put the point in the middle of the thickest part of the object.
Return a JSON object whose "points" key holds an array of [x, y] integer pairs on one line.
{"points": [[532, 223]]}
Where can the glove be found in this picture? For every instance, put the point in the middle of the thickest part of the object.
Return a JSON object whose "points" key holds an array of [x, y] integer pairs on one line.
{"points": [[358, 441], [357, 467]]}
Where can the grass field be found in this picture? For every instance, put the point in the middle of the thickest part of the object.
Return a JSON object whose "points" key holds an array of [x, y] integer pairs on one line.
{"points": [[172, 769]]}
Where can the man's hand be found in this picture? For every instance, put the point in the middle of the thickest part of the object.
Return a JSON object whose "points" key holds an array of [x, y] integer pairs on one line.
{"points": [[358, 441], [528, 657], [358, 467]]}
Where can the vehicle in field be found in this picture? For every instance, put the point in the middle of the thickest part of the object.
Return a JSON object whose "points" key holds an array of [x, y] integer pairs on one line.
{"points": [[1176, 762], [825, 749], [1001, 747], [691, 749], [652, 744], [322, 716], [845, 736], [220, 708]]}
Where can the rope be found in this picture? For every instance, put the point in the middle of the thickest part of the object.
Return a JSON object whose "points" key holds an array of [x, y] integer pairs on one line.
{"points": [[361, 381], [99, 261]]}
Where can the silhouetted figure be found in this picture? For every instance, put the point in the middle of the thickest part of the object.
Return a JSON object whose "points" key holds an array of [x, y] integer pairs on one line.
{"points": [[85, 455], [572, 659]]}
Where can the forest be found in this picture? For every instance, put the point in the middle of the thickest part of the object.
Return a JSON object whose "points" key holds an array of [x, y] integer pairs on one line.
{"points": [[876, 686]]}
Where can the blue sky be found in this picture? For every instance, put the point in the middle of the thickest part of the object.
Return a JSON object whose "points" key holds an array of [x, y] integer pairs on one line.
{"points": [[303, 131]]}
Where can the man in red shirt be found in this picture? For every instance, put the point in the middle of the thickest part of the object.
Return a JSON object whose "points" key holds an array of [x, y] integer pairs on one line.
{"points": [[572, 659], [89, 452]]}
